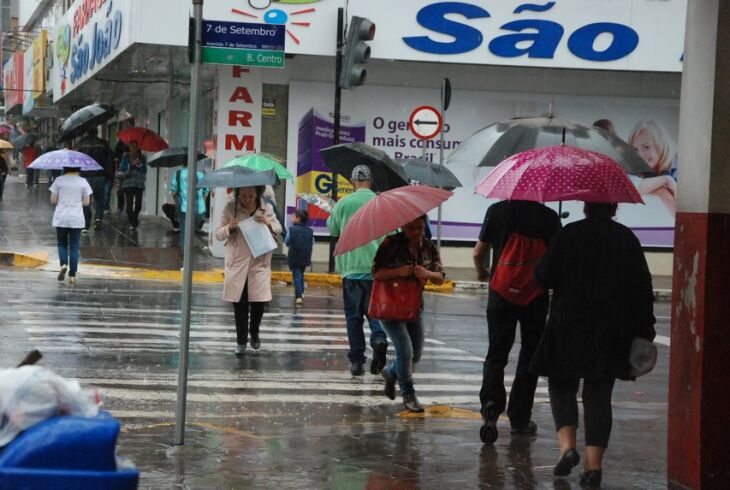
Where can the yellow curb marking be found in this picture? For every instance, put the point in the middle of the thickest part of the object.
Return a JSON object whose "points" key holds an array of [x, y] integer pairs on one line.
{"points": [[442, 412], [33, 259], [216, 276]]}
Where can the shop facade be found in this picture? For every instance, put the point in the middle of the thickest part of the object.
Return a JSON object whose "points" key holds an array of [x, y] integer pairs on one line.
{"points": [[619, 60]]}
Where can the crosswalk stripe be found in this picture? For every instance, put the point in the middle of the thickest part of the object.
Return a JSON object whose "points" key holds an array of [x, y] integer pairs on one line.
{"points": [[318, 398], [337, 345], [204, 332], [370, 385]]}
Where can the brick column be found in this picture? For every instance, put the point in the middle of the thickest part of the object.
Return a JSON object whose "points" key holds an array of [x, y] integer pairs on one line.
{"points": [[699, 382]]}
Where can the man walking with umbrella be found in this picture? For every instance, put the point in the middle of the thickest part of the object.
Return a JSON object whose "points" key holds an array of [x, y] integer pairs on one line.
{"points": [[510, 226], [355, 268], [101, 152]]}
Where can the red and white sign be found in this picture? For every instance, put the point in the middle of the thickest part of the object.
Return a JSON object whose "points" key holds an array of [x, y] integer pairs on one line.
{"points": [[425, 122], [13, 80], [238, 130]]}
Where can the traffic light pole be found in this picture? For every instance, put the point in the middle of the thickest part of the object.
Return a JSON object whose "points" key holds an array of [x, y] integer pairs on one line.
{"points": [[336, 129]]}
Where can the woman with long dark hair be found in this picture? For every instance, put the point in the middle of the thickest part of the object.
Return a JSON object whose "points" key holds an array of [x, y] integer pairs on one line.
{"points": [[408, 254], [134, 168], [247, 282]]}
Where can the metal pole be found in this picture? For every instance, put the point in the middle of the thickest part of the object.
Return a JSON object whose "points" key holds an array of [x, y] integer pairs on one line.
{"points": [[336, 129], [441, 156], [182, 372]]}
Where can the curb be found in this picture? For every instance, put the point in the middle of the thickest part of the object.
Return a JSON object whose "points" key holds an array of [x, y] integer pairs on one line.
{"points": [[31, 260], [215, 276]]}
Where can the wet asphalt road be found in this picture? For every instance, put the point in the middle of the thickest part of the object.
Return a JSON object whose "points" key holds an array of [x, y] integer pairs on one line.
{"points": [[290, 415]]}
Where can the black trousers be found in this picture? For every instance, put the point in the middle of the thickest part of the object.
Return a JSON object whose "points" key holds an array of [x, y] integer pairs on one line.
{"points": [[502, 327], [597, 413], [133, 198], [241, 311]]}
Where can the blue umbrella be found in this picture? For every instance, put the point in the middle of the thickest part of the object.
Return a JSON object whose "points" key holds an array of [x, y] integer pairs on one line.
{"points": [[60, 159]]}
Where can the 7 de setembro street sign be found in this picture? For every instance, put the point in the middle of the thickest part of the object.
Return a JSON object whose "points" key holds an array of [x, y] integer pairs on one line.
{"points": [[243, 44]]}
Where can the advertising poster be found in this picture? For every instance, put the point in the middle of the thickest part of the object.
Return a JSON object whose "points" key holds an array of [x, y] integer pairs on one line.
{"points": [[378, 116]]}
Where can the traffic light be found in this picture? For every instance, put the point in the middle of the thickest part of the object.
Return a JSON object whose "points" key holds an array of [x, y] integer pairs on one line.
{"points": [[357, 52]]}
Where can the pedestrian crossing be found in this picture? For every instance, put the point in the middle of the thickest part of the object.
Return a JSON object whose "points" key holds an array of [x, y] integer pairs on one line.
{"points": [[127, 344]]}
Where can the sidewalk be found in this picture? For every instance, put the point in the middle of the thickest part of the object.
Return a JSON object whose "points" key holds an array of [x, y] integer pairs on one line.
{"points": [[27, 239]]}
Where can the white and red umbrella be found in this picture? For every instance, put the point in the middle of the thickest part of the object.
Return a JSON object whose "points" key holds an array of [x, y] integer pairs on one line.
{"points": [[387, 212], [559, 173]]}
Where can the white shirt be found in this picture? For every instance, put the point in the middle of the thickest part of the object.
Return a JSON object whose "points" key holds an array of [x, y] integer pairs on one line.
{"points": [[71, 191]]}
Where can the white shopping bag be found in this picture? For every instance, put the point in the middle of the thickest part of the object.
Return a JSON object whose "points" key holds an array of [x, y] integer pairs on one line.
{"points": [[258, 237]]}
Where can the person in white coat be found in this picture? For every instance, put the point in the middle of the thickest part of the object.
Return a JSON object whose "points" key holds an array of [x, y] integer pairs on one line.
{"points": [[247, 282]]}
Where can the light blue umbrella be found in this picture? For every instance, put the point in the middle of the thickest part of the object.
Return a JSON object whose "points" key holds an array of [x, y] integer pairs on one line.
{"points": [[60, 159]]}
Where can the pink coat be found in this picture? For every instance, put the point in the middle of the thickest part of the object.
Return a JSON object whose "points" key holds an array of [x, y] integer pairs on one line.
{"points": [[240, 266]]}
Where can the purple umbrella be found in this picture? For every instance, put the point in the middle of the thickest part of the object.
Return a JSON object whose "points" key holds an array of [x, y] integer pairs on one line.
{"points": [[57, 160]]}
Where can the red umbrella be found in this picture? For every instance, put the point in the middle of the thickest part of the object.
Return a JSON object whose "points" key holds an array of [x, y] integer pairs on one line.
{"points": [[147, 139], [387, 212], [559, 173]]}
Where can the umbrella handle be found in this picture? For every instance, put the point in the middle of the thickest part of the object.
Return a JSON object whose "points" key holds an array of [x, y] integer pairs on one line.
{"points": [[563, 136]]}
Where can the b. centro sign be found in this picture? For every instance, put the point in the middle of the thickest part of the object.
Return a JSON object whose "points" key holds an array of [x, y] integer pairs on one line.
{"points": [[93, 32]]}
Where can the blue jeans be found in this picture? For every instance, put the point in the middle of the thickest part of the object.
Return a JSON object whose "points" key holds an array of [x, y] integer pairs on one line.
{"points": [[97, 188], [356, 293], [31, 177], [298, 278], [108, 184], [407, 338], [68, 245], [181, 218]]}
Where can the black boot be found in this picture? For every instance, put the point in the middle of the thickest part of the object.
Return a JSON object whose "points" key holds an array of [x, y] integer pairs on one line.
{"points": [[411, 403]]}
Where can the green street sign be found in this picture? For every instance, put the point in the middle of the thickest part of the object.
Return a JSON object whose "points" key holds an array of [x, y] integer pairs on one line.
{"points": [[242, 57]]}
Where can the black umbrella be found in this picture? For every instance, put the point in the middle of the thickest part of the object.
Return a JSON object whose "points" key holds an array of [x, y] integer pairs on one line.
{"points": [[345, 157], [25, 139], [233, 177], [172, 157], [83, 119], [421, 171]]}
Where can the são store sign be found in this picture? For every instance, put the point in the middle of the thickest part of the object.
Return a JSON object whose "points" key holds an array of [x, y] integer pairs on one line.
{"points": [[94, 30]]}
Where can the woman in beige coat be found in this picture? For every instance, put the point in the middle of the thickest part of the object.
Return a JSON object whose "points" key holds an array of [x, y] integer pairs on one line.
{"points": [[247, 282]]}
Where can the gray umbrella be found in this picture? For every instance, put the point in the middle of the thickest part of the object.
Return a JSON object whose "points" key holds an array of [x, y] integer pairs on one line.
{"points": [[421, 171], [491, 145], [172, 157], [345, 157], [83, 119], [233, 177], [25, 139]]}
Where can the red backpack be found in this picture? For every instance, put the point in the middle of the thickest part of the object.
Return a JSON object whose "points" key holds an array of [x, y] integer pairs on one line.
{"points": [[513, 277]]}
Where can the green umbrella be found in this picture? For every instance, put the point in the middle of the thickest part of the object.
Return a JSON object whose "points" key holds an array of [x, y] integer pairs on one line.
{"points": [[261, 161]]}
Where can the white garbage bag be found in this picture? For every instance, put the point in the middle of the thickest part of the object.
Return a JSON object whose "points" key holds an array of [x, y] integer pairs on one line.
{"points": [[32, 394]]}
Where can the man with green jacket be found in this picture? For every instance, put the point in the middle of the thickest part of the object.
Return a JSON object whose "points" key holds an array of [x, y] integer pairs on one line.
{"points": [[355, 268]]}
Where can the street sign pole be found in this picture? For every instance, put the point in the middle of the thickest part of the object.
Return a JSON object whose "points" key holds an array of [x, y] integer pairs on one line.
{"points": [[445, 99], [336, 129], [190, 209]]}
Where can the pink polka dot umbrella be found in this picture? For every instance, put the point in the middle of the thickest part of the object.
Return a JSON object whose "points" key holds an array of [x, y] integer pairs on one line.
{"points": [[559, 173]]}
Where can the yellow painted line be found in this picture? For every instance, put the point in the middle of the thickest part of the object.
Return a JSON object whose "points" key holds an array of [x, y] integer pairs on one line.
{"points": [[442, 412], [216, 276]]}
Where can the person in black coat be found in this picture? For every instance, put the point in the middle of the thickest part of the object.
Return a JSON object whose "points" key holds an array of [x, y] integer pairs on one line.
{"points": [[300, 240], [602, 299]]}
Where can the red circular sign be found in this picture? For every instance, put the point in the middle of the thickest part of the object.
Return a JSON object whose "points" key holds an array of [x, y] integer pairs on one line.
{"points": [[425, 122]]}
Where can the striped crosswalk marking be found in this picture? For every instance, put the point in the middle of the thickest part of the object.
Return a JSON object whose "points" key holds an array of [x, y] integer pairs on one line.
{"points": [[80, 323]]}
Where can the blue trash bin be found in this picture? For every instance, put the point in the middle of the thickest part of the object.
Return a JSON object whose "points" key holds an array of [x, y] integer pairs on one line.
{"points": [[66, 453]]}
